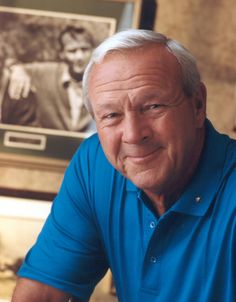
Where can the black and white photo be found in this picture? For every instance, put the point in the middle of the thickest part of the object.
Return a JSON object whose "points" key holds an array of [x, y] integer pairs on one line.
{"points": [[42, 61]]}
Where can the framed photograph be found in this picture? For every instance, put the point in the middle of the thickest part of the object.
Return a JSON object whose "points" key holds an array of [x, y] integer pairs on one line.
{"points": [[20, 223], [42, 60]]}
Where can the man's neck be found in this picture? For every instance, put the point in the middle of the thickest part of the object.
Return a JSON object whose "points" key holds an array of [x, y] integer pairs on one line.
{"points": [[75, 76], [162, 201]]}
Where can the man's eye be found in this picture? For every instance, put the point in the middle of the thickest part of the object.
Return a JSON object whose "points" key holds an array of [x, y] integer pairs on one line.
{"points": [[154, 107], [110, 119], [72, 51], [110, 116]]}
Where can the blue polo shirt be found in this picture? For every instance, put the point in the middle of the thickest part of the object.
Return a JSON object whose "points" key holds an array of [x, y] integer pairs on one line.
{"points": [[100, 219]]}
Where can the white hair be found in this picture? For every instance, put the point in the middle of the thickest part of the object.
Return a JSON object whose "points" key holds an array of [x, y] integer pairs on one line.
{"points": [[135, 38]]}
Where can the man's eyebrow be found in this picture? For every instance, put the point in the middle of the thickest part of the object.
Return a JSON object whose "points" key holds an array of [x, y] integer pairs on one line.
{"points": [[108, 106], [150, 96]]}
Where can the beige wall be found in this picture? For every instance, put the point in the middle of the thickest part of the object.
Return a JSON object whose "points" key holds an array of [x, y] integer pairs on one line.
{"points": [[208, 29]]}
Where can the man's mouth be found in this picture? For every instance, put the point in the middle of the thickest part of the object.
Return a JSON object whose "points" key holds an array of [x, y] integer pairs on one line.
{"points": [[143, 158]]}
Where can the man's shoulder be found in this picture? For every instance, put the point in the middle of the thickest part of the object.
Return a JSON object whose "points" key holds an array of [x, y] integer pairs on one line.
{"points": [[232, 148], [46, 66], [220, 149], [90, 153], [90, 143], [229, 174], [230, 161], [228, 193], [90, 167]]}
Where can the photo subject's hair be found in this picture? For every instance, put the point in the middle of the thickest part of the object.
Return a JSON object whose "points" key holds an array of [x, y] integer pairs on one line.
{"points": [[75, 33], [135, 38]]}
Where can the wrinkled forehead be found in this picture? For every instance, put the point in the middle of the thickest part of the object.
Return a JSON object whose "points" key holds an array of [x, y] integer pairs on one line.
{"points": [[152, 56], [135, 71]]}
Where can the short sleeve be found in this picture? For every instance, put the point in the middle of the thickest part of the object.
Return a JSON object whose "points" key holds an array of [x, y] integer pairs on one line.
{"points": [[69, 254]]}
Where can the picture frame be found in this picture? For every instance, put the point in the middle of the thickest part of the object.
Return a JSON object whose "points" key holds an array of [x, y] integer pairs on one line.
{"points": [[127, 13], [40, 147], [33, 32], [131, 13]]}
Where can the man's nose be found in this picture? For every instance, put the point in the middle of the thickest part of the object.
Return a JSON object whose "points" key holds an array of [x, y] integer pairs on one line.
{"points": [[135, 129], [79, 54]]}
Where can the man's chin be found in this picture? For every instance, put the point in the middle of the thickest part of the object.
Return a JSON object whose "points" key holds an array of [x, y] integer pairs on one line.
{"points": [[144, 180], [76, 73]]}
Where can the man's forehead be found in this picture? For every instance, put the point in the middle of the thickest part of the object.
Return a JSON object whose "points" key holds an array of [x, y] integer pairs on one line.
{"points": [[153, 48], [146, 68], [154, 55]]}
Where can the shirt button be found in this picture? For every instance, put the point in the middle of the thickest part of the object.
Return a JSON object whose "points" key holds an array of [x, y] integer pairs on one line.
{"points": [[198, 198], [153, 259], [152, 224]]}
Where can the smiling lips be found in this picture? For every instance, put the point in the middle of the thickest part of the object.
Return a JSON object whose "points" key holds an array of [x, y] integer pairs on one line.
{"points": [[141, 159]]}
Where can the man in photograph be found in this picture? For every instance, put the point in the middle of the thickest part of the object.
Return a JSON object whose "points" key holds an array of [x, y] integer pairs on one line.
{"points": [[58, 84]]}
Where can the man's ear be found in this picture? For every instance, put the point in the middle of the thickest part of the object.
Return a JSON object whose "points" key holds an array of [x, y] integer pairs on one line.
{"points": [[200, 105]]}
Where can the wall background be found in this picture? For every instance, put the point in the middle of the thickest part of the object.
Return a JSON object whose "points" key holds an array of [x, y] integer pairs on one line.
{"points": [[207, 28]]}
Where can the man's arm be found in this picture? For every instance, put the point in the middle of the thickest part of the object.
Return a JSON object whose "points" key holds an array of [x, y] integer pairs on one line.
{"points": [[20, 82], [29, 290]]}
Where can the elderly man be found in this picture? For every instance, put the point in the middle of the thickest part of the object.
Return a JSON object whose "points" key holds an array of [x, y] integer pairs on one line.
{"points": [[151, 196]]}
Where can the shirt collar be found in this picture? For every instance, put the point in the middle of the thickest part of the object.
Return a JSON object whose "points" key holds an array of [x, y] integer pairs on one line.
{"points": [[205, 183], [130, 186], [66, 79]]}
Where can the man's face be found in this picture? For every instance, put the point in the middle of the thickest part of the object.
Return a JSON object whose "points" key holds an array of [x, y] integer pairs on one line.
{"points": [[76, 52], [147, 126]]}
